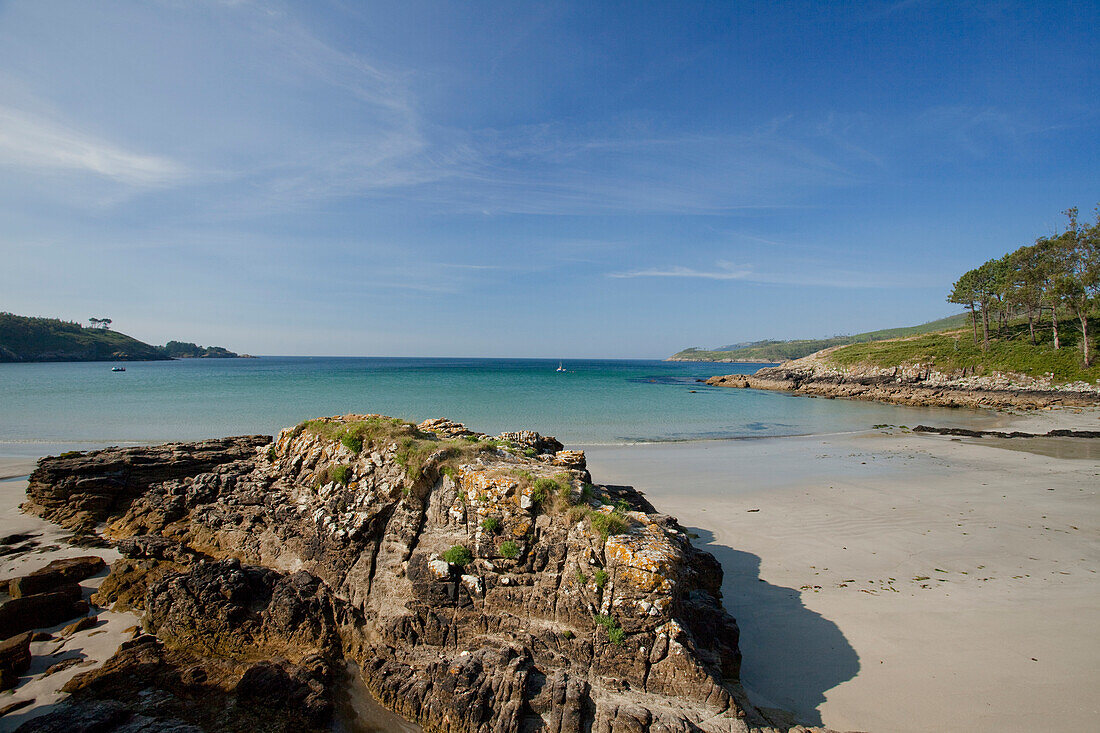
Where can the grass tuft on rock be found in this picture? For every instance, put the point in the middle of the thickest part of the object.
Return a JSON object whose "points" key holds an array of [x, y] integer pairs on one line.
{"points": [[615, 633], [601, 578], [458, 556], [415, 450], [606, 524]]}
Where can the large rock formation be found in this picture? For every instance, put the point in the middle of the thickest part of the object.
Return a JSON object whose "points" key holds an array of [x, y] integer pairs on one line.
{"points": [[481, 584], [911, 384]]}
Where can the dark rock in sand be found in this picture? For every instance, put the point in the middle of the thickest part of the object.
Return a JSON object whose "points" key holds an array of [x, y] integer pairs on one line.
{"points": [[83, 624], [160, 687], [11, 707], [968, 433], [57, 573], [15, 659], [38, 611]]}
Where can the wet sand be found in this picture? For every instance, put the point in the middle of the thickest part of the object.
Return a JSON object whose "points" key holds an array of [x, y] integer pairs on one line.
{"points": [[892, 581]]}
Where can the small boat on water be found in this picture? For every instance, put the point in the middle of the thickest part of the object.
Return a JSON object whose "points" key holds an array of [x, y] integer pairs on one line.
{"points": [[118, 369], [560, 368]]}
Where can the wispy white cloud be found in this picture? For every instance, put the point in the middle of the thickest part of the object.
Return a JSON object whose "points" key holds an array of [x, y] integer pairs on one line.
{"points": [[40, 144], [723, 271], [745, 273]]}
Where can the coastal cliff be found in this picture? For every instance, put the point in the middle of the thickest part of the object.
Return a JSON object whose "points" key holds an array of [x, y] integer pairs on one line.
{"points": [[914, 384], [480, 584], [27, 339]]}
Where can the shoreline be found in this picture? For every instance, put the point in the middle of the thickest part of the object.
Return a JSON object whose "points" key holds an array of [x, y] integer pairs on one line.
{"points": [[912, 386]]}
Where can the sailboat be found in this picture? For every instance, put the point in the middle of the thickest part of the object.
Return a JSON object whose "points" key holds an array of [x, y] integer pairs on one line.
{"points": [[560, 368]]}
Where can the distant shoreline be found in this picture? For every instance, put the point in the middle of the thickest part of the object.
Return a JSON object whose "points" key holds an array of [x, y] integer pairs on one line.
{"points": [[725, 361], [933, 390], [127, 359]]}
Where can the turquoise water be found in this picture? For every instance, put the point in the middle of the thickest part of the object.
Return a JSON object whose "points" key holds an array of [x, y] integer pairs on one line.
{"points": [[49, 407]]}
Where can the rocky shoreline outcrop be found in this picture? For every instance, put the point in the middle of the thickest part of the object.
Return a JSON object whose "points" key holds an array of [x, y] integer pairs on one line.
{"points": [[915, 385], [480, 584]]}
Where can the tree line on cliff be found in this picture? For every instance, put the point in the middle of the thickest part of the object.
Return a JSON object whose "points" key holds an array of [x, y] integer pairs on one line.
{"points": [[1056, 275], [24, 338]]}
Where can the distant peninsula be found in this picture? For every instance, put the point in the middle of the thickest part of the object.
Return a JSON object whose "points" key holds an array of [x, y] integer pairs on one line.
{"points": [[29, 339], [771, 352]]}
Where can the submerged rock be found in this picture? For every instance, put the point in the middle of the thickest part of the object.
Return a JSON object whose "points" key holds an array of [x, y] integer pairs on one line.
{"points": [[480, 584]]}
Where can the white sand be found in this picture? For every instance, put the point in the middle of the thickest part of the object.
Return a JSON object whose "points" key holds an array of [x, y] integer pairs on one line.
{"points": [[891, 581], [92, 646]]}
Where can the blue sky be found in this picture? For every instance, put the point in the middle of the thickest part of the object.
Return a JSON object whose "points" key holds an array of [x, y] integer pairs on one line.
{"points": [[530, 179]]}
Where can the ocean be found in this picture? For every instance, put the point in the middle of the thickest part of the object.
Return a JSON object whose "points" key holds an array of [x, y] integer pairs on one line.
{"points": [[48, 408]]}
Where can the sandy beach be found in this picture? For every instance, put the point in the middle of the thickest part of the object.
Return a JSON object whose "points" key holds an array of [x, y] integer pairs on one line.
{"points": [[90, 647], [892, 581]]}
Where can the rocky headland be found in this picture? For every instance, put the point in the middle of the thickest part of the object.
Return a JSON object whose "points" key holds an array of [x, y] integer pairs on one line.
{"points": [[479, 584], [913, 384]]}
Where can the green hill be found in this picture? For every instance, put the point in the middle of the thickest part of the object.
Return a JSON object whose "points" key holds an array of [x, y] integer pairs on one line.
{"points": [[24, 338], [1010, 350], [780, 351]]}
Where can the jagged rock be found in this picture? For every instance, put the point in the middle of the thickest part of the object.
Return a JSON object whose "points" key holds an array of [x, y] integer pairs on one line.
{"points": [[15, 659], [57, 573], [911, 384], [233, 610], [79, 491], [317, 565], [155, 687], [38, 611], [156, 547], [102, 716]]}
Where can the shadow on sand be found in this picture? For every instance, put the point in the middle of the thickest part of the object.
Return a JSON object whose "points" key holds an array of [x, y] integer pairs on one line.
{"points": [[792, 655]]}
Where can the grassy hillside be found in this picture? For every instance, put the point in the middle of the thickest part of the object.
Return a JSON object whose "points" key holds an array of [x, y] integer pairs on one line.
{"points": [[778, 351], [49, 339], [1012, 351]]}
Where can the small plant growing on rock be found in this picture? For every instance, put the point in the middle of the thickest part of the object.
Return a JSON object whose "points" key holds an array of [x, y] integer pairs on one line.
{"points": [[606, 524], [615, 633], [542, 489], [352, 442], [509, 549], [601, 578], [270, 453], [567, 635], [491, 525], [459, 556], [579, 512], [339, 474], [581, 577]]}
